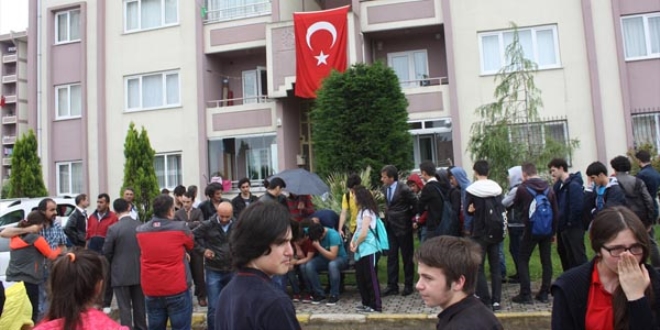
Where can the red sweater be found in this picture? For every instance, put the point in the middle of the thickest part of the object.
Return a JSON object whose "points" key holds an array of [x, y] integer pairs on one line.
{"points": [[164, 267], [99, 227]]}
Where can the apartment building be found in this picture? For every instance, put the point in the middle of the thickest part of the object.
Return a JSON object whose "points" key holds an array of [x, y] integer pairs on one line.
{"points": [[13, 95], [212, 81]]}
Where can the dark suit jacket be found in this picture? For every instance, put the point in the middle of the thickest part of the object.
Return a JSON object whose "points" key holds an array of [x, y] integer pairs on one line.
{"points": [[399, 212], [76, 228], [196, 217], [123, 252]]}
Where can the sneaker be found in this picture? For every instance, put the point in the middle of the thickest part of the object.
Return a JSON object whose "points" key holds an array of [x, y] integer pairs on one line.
{"points": [[306, 298], [107, 310], [496, 306], [361, 308], [522, 299], [317, 300], [295, 297], [542, 297], [368, 309], [332, 301]]}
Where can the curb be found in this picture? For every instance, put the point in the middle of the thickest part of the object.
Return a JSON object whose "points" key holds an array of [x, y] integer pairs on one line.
{"points": [[305, 318]]}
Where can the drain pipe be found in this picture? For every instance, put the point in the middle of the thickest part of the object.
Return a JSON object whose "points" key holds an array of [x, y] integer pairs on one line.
{"points": [[39, 80]]}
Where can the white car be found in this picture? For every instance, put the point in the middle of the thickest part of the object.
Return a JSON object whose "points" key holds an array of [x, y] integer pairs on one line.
{"points": [[17, 211]]}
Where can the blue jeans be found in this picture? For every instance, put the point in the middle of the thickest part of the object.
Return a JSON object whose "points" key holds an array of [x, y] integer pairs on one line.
{"points": [[215, 282], [311, 273], [421, 233], [178, 308], [502, 259], [292, 277], [43, 295]]}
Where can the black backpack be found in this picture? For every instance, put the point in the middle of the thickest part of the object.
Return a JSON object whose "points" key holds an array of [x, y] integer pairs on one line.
{"points": [[449, 223], [495, 220], [635, 202]]}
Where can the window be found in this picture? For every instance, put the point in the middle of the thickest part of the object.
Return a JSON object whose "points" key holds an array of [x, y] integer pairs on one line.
{"points": [[536, 132], [67, 26], [68, 103], [149, 14], [223, 10], [540, 45], [254, 85], [641, 36], [152, 91], [168, 170], [69, 178], [646, 129], [12, 217], [432, 141], [410, 67], [254, 157]]}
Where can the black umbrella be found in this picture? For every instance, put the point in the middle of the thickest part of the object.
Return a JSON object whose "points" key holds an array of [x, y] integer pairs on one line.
{"points": [[301, 182]]}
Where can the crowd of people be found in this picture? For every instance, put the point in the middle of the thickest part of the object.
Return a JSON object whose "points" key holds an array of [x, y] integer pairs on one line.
{"points": [[243, 254]]}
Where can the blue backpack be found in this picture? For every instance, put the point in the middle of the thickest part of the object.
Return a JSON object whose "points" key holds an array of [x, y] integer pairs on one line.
{"points": [[540, 213], [381, 236]]}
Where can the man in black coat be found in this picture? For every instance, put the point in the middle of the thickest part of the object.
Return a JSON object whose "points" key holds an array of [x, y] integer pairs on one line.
{"points": [[401, 206], [244, 199], [76, 226]]}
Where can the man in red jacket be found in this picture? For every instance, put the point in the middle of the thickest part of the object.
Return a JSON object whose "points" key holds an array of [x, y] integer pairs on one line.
{"points": [[97, 228], [164, 270]]}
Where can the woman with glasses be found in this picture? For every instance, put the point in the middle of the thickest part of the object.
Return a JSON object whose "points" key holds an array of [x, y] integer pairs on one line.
{"points": [[617, 289]]}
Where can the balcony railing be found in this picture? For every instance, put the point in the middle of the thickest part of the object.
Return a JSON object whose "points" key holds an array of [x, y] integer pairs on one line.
{"points": [[10, 99], [236, 101], [9, 58], [9, 79], [215, 14], [424, 82], [6, 161], [9, 119], [9, 139]]}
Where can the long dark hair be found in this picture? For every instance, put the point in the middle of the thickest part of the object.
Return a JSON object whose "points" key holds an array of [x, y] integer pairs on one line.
{"points": [[365, 200], [73, 284], [605, 227]]}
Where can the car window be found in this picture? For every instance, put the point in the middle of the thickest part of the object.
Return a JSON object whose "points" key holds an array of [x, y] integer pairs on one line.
{"points": [[12, 217], [64, 210]]}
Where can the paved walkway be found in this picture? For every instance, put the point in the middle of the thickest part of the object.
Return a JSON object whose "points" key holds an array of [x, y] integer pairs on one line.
{"points": [[394, 308]]}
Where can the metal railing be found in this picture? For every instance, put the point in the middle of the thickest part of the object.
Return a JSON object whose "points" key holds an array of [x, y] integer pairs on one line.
{"points": [[236, 101], [423, 82], [238, 12], [646, 127]]}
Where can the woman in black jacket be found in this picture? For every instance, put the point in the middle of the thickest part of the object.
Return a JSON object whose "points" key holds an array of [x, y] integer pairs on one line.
{"points": [[617, 289]]}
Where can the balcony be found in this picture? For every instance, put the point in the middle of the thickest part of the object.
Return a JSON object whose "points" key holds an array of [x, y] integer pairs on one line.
{"points": [[9, 79], [240, 116], [12, 58], [6, 161], [236, 102], [9, 139], [238, 12], [424, 95], [9, 119], [396, 14], [10, 99]]}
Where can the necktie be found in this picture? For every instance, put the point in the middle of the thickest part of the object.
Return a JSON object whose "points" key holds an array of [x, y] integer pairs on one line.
{"points": [[389, 194]]}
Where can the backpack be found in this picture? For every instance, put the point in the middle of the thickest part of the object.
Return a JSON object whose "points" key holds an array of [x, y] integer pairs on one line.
{"points": [[495, 220], [448, 222], [540, 213], [635, 202], [381, 235]]}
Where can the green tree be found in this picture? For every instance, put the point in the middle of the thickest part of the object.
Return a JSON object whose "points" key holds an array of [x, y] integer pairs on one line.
{"points": [[26, 178], [139, 171], [510, 132], [360, 120]]}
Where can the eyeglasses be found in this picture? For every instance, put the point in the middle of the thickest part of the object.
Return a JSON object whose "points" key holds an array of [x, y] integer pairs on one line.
{"points": [[616, 251]]}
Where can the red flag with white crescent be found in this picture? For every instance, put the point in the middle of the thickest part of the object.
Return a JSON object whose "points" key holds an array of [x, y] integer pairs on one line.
{"points": [[321, 38]]}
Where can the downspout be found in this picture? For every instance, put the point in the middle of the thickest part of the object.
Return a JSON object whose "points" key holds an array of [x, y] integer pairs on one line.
{"points": [[39, 91]]}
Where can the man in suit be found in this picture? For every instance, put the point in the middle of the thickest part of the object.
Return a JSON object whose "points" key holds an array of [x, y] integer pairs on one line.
{"points": [[401, 206], [194, 217], [76, 227], [123, 252]]}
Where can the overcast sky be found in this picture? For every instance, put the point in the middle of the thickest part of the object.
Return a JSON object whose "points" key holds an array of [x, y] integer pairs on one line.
{"points": [[13, 15]]}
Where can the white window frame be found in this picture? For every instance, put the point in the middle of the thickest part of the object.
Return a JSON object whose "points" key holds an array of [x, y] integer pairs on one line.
{"points": [[164, 104], [647, 36], [57, 102], [139, 16], [170, 185], [426, 129], [411, 67], [67, 14], [58, 179], [502, 47], [259, 97]]}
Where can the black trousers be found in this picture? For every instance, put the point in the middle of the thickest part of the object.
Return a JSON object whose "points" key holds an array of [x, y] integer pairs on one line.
{"points": [[197, 271], [130, 300], [367, 282], [405, 244], [107, 295], [492, 250], [570, 247], [526, 248], [32, 291]]}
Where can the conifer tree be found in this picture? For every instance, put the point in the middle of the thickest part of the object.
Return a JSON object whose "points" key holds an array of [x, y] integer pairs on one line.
{"points": [[139, 171], [26, 178]]}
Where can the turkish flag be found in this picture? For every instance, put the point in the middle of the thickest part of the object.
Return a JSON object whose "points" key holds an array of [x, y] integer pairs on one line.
{"points": [[321, 38]]}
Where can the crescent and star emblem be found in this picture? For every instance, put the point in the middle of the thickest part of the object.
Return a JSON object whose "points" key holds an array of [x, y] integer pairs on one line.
{"points": [[320, 26]]}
